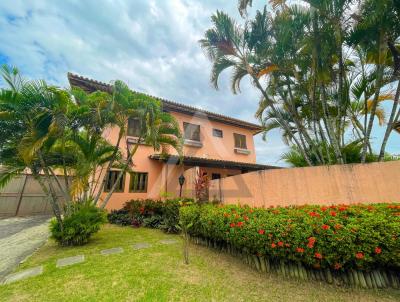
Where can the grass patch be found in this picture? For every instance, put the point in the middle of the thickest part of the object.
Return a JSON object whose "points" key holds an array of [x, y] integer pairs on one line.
{"points": [[159, 274]]}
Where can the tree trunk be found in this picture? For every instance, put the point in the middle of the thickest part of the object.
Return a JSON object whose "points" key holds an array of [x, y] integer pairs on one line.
{"points": [[380, 70], [121, 173], [389, 127], [103, 183], [53, 199], [284, 123], [330, 130]]}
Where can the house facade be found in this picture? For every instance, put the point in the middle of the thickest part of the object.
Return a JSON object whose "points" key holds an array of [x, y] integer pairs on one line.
{"points": [[214, 145]]}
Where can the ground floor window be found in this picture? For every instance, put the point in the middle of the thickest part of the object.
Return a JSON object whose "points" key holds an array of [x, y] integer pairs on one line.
{"points": [[215, 176], [138, 182], [111, 178]]}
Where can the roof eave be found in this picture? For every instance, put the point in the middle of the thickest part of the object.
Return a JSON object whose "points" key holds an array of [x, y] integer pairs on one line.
{"points": [[211, 163]]}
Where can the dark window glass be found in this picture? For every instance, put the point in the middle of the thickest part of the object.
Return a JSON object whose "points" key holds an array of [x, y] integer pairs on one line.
{"points": [[240, 141], [111, 179], [134, 127], [138, 182], [191, 131], [217, 133], [215, 176]]}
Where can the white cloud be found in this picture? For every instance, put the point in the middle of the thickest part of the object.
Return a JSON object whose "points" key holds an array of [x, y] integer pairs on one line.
{"points": [[151, 45]]}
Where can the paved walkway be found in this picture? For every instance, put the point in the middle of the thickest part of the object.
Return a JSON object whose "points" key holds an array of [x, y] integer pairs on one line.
{"points": [[19, 238]]}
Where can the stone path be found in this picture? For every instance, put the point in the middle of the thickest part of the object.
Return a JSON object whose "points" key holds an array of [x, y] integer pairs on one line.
{"points": [[32, 272], [35, 235], [70, 261], [168, 241], [115, 250], [142, 245], [19, 238]]}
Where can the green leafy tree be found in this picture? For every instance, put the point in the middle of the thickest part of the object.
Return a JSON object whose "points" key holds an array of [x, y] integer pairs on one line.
{"points": [[321, 75], [48, 130]]}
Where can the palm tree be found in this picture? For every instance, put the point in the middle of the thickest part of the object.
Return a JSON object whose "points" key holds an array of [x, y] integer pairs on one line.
{"points": [[307, 60], [157, 129], [37, 113]]}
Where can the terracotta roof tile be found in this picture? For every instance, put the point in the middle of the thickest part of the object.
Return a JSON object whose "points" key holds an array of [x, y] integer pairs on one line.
{"points": [[91, 85]]}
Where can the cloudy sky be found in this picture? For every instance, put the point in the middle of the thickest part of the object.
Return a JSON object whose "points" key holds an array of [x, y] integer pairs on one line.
{"points": [[151, 45]]}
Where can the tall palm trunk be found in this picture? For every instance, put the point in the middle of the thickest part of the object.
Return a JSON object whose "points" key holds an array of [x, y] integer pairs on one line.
{"points": [[52, 192], [283, 121], [103, 183], [389, 127], [378, 85], [330, 129], [300, 127]]}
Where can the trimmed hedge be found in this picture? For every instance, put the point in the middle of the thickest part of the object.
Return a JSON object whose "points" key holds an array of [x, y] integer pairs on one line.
{"points": [[331, 239], [150, 213]]}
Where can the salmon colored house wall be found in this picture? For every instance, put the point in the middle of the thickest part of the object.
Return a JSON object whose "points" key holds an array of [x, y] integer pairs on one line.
{"points": [[163, 178], [215, 147], [347, 184]]}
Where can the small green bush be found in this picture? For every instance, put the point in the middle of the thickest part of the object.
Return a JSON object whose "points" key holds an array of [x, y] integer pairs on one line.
{"points": [[338, 237], [83, 221]]}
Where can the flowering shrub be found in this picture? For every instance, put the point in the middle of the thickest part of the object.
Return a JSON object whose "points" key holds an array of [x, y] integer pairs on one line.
{"points": [[151, 213], [336, 237]]}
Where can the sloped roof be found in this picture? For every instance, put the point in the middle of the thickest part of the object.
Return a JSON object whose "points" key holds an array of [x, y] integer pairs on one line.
{"points": [[91, 85], [211, 163]]}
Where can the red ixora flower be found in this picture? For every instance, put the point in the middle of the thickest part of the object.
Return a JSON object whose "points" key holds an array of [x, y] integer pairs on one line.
{"points": [[232, 225], [325, 227], [300, 250], [239, 224], [342, 208], [313, 214], [273, 245], [280, 243], [378, 250], [333, 213], [318, 255], [311, 242], [323, 209], [359, 255], [261, 232], [337, 266], [245, 218]]}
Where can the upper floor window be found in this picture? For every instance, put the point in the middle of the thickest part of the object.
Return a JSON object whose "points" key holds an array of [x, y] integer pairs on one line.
{"points": [[240, 141], [217, 133], [191, 131], [138, 182], [111, 179], [134, 127]]}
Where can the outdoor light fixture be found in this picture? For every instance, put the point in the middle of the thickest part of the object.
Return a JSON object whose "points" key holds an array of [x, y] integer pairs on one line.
{"points": [[181, 182]]}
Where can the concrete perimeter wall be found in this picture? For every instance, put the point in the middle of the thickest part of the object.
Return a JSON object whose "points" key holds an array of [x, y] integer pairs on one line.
{"points": [[347, 184]]}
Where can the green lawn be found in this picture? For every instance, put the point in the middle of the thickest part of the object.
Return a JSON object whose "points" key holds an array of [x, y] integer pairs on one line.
{"points": [[159, 274]]}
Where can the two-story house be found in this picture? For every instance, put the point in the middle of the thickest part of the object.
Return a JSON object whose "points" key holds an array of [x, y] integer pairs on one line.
{"points": [[221, 146]]}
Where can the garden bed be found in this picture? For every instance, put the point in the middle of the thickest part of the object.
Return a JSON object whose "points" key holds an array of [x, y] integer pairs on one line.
{"points": [[353, 245]]}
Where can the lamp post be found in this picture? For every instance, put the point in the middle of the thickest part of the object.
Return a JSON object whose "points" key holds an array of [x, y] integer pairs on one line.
{"points": [[181, 182]]}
